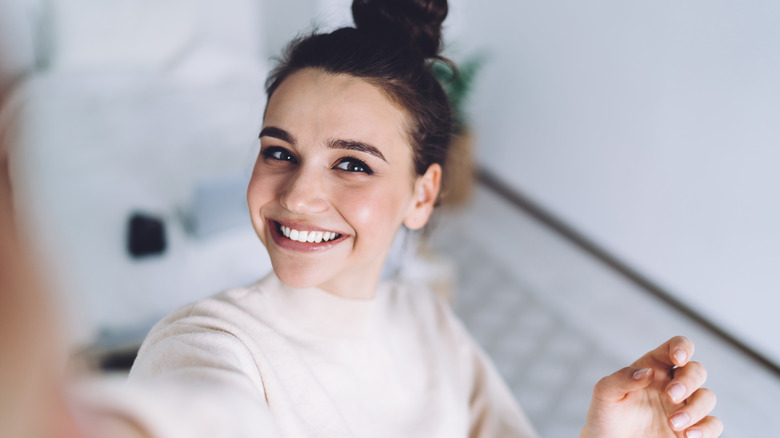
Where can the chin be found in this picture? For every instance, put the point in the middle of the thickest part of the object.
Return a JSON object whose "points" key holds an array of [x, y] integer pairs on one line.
{"points": [[299, 278]]}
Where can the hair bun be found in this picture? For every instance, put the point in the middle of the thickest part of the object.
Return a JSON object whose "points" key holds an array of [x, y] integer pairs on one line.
{"points": [[417, 21]]}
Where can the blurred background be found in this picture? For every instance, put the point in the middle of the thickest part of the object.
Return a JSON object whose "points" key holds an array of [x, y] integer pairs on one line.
{"points": [[627, 178]]}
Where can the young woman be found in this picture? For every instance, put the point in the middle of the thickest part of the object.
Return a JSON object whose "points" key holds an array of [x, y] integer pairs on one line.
{"points": [[353, 142]]}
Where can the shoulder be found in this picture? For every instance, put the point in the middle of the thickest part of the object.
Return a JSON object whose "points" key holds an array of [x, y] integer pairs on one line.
{"points": [[229, 319], [493, 409], [429, 312], [229, 307]]}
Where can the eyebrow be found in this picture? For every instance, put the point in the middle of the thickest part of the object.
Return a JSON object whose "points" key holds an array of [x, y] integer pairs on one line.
{"points": [[280, 134], [358, 146], [350, 145]]}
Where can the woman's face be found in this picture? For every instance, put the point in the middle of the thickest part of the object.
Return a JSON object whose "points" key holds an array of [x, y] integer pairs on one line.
{"points": [[334, 181]]}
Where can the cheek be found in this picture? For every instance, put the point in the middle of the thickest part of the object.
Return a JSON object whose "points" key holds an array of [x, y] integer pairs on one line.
{"points": [[259, 193], [255, 193], [377, 211], [261, 190]]}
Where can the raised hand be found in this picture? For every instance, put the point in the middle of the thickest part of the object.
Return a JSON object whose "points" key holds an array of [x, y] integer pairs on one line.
{"points": [[658, 396]]}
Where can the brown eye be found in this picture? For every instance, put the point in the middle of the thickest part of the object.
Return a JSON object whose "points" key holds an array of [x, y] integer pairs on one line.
{"points": [[354, 165], [277, 153]]}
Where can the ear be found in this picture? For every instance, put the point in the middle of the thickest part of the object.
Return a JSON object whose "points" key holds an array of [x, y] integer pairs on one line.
{"points": [[426, 190]]}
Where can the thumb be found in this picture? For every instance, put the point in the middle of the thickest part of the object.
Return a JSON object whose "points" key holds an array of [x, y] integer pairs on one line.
{"points": [[617, 386]]}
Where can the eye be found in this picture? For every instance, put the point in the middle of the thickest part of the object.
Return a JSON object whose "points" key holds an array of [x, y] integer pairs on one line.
{"points": [[351, 164], [278, 153]]}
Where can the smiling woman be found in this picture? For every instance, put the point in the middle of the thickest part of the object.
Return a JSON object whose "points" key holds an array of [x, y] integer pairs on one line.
{"points": [[335, 159], [354, 137]]}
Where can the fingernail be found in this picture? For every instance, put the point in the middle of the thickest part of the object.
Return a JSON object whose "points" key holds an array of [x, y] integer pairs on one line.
{"points": [[680, 420], [680, 355], [641, 374], [676, 392], [694, 434]]}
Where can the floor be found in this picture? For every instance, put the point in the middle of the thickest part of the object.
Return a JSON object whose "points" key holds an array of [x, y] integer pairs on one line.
{"points": [[555, 321]]}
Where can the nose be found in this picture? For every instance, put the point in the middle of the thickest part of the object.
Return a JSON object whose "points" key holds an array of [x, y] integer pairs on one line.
{"points": [[304, 192]]}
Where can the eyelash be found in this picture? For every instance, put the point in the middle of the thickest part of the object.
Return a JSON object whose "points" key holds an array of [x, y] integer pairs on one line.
{"points": [[355, 162], [270, 152]]}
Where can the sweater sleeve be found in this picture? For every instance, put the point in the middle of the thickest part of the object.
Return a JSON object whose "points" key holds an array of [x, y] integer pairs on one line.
{"points": [[493, 409], [195, 378]]}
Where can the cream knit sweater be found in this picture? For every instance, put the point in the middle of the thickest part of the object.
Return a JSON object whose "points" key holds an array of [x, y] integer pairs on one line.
{"points": [[270, 360]]}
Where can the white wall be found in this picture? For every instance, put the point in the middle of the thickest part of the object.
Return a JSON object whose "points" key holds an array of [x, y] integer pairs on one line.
{"points": [[650, 127], [283, 20]]}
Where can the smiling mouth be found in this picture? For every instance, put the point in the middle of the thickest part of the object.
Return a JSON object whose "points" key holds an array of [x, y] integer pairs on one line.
{"points": [[306, 236]]}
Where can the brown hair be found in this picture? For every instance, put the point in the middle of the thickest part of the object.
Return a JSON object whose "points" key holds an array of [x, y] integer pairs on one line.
{"points": [[393, 45]]}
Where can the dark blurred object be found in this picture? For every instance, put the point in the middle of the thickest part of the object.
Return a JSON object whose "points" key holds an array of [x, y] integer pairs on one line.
{"points": [[115, 348], [120, 361], [146, 235]]}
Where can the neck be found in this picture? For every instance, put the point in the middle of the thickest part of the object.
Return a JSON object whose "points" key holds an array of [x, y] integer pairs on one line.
{"points": [[360, 288]]}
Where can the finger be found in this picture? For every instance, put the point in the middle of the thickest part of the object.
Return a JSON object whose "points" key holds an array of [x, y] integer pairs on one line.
{"points": [[674, 352], [709, 427], [616, 386], [697, 407], [687, 379]]}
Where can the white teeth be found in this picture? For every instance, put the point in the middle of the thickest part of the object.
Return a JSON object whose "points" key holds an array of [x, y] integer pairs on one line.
{"points": [[307, 236]]}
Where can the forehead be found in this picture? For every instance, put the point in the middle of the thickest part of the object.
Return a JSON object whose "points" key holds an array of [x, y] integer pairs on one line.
{"points": [[316, 103]]}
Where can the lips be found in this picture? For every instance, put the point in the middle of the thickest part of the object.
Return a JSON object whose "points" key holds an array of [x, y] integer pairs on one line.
{"points": [[302, 238]]}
